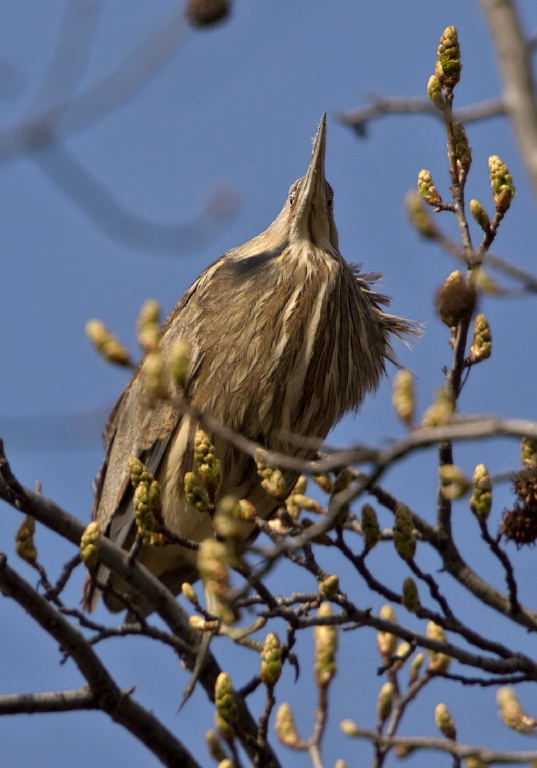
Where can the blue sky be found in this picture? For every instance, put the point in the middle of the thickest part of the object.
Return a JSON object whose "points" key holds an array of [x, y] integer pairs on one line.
{"points": [[235, 109]]}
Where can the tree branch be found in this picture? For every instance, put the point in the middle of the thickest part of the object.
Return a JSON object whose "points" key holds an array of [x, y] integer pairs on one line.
{"points": [[108, 697]]}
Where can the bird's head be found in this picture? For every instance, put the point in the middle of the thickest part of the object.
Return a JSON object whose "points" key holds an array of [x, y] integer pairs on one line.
{"points": [[309, 206]]}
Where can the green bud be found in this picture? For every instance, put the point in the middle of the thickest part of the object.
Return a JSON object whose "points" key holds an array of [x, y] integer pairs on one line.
{"points": [[272, 480], [403, 533], [419, 216], [454, 482], [329, 587], [386, 642], [411, 597], [326, 642], [501, 182], [434, 92], [481, 499], [416, 665], [224, 699], [403, 397], [463, 152], [195, 493], [178, 361], [426, 189], [441, 411], [438, 662], [449, 58], [24, 540], [528, 451], [271, 660], [148, 326], [90, 544], [385, 702], [370, 526], [481, 347], [214, 747], [106, 344], [208, 465], [480, 215]]}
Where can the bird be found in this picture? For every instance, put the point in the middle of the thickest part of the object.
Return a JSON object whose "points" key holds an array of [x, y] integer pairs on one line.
{"points": [[285, 337]]}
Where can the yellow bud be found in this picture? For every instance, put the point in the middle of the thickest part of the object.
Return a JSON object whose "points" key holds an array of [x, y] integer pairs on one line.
{"points": [[178, 361], [89, 544], [224, 699], [501, 182], [449, 58], [434, 92], [403, 396], [480, 215], [301, 485], [213, 746], [385, 702], [475, 762], [402, 653], [511, 712], [486, 284], [438, 662], [203, 625], [481, 499], [426, 189], [188, 593], [272, 480], [285, 726], [441, 411], [419, 216], [195, 493], [326, 642], [24, 540], [153, 373], [415, 667], [454, 482], [138, 472], [148, 325], [386, 642], [444, 722], [323, 481], [349, 728], [208, 465], [481, 347], [528, 450], [271, 660], [329, 587], [106, 344]]}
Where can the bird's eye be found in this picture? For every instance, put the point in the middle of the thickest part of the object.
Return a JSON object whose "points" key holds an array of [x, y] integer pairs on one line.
{"points": [[292, 199], [329, 202]]}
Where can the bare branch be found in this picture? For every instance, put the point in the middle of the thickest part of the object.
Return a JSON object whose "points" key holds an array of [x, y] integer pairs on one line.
{"points": [[488, 756], [54, 701], [380, 106], [108, 697]]}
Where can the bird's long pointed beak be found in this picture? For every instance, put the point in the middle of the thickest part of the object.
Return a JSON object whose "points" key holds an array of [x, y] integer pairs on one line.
{"points": [[312, 192]]}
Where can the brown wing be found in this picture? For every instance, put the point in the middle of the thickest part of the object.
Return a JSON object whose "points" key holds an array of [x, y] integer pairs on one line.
{"points": [[136, 429]]}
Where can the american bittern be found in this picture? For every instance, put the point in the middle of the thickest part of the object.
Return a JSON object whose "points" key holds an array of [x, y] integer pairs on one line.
{"points": [[285, 338]]}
